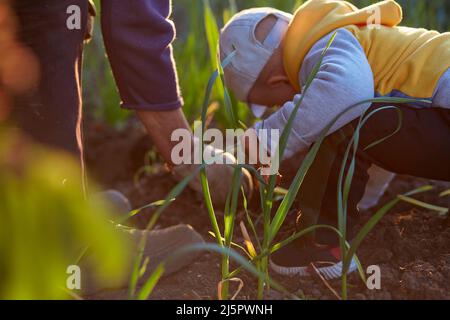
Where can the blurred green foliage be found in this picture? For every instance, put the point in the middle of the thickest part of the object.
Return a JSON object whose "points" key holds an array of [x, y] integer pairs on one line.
{"points": [[46, 224], [193, 58]]}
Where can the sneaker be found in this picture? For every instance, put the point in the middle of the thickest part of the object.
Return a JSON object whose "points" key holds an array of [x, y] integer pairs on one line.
{"points": [[159, 243], [294, 261], [118, 200], [159, 246]]}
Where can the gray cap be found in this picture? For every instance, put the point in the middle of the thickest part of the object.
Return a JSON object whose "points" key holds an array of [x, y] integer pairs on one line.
{"points": [[251, 55]]}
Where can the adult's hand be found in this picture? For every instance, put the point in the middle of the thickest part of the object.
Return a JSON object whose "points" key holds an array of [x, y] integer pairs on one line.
{"points": [[161, 125], [220, 176]]}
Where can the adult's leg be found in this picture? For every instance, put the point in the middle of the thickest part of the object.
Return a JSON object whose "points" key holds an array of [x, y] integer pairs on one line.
{"points": [[52, 113]]}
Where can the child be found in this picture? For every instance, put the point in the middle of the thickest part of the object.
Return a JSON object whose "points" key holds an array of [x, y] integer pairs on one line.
{"points": [[275, 54]]}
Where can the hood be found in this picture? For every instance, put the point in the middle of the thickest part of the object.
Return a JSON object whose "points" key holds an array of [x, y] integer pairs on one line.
{"points": [[317, 18]]}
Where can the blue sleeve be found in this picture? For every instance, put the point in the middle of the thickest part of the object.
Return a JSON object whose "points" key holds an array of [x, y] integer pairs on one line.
{"points": [[138, 36], [344, 79]]}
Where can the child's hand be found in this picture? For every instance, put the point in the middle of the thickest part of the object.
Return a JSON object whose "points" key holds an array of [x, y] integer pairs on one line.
{"points": [[258, 155]]}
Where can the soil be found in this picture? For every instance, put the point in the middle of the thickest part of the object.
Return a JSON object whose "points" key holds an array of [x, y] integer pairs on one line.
{"points": [[411, 245]]}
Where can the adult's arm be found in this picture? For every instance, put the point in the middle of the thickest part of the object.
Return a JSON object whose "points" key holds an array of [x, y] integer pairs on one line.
{"points": [[138, 36]]}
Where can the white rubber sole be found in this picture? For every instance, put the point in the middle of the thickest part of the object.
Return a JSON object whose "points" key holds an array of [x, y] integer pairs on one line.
{"points": [[329, 273]]}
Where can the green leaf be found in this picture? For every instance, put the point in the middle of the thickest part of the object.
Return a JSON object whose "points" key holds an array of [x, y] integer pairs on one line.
{"points": [[151, 282], [132, 213], [212, 33], [289, 198], [422, 204]]}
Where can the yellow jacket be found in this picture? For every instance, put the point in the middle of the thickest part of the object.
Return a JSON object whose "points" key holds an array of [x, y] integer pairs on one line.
{"points": [[409, 60]]}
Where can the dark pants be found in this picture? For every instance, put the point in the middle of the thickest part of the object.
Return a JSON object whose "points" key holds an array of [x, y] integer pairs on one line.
{"points": [[421, 148], [52, 113]]}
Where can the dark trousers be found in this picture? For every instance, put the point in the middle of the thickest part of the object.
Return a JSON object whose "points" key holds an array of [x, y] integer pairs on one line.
{"points": [[52, 113], [421, 148]]}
